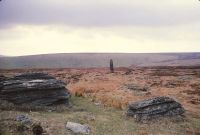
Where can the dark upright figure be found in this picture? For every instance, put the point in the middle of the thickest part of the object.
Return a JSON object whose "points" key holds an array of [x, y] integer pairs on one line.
{"points": [[111, 66]]}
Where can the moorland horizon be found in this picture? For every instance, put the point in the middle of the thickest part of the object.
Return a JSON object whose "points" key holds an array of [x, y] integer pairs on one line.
{"points": [[172, 52]]}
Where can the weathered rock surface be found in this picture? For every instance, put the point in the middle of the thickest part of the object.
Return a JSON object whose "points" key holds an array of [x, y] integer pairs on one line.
{"points": [[78, 128], [136, 89], [155, 108], [2, 78], [23, 119], [38, 89]]}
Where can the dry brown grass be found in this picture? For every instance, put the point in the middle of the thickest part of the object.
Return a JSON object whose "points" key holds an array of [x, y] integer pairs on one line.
{"points": [[105, 93], [107, 88]]}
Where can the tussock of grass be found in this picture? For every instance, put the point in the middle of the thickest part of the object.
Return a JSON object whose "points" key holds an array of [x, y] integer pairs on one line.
{"points": [[105, 93]]}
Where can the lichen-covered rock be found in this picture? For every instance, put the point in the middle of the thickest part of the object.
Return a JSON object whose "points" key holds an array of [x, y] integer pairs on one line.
{"points": [[38, 89], [155, 108]]}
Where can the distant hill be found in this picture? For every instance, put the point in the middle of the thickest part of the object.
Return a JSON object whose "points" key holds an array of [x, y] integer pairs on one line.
{"points": [[84, 60]]}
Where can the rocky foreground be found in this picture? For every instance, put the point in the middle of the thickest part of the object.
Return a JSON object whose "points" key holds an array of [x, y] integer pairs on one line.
{"points": [[38, 89]]}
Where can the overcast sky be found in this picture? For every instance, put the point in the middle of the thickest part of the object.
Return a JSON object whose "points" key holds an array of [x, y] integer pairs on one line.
{"points": [[63, 26]]}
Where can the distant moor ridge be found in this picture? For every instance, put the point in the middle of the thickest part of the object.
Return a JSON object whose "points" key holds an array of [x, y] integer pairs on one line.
{"points": [[85, 60]]}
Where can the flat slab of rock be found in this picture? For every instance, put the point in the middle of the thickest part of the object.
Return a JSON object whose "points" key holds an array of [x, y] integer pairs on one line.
{"points": [[78, 128], [155, 108], [37, 89], [136, 89]]}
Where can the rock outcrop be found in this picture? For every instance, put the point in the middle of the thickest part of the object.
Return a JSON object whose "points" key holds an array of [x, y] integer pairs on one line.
{"points": [[155, 108], [37, 89]]}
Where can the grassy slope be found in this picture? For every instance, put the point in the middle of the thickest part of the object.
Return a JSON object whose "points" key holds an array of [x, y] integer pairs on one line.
{"points": [[108, 121]]}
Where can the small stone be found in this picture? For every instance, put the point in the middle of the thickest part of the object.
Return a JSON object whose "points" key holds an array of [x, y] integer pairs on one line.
{"points": [[78, 128], [50, 110], [97, 104], [23, 119]]}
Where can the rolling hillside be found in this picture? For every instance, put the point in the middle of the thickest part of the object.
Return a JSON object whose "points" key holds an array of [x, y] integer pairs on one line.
{"points": [[84, 60]]}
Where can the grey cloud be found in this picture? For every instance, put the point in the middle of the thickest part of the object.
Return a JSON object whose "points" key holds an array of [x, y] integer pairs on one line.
{"points": [[14, 12]]}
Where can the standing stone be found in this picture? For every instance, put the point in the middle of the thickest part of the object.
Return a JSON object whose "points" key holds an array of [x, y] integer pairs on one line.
{"points": [[111, 66]]}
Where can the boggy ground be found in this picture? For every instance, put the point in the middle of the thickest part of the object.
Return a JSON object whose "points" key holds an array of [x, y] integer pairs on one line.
{"points": [[100, 99]]}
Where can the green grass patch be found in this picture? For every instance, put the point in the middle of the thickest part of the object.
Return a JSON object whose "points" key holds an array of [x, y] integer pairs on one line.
{"points": [[103, 121]]}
